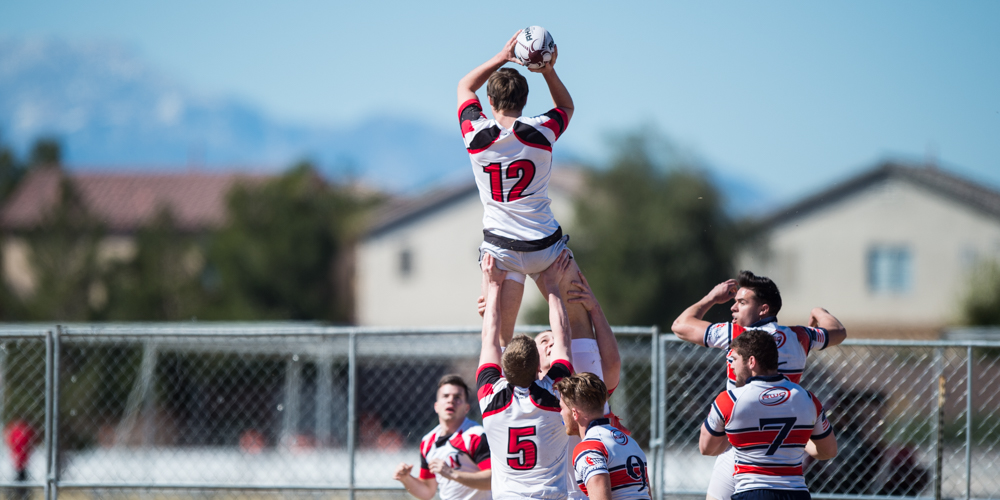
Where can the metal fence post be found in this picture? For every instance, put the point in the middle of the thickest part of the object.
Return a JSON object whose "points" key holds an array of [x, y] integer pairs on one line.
{"points": [[352, 407], [654, 446], [661, 415], [53, 468], [48, 431], [939, 424], [968, 422]]}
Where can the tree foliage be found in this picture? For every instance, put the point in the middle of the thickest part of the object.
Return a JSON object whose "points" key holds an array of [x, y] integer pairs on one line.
{"points": [[982, 303], [651, 234]]}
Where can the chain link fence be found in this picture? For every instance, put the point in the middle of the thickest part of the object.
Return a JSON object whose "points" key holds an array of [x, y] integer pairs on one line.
{"points": [[238, 410], [298, 410], [912, 419]]}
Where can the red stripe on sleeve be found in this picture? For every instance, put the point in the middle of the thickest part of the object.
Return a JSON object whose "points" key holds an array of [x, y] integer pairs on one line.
{"points": [[467, 104], [553, 126], [426, 474], [725, 404], [817, 404], [589, 446], [803, 337]]}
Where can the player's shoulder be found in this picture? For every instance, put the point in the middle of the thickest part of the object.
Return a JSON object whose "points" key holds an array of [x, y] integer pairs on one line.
{"points": [[590, 444], [427, 441], [471, 427]]}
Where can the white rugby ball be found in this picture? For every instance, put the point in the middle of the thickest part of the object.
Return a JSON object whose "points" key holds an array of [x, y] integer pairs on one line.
{"points": [[534, 47]]}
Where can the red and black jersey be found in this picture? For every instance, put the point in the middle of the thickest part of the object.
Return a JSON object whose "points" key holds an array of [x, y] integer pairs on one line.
{"points": [[528, 440], [466, 450], [512, 169]]}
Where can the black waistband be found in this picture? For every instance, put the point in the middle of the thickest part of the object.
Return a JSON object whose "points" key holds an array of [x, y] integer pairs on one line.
{"points": [[523, 246]]}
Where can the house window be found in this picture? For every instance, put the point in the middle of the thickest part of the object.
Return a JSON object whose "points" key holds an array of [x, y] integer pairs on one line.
{"points": [[405, 262], [890, 269]]}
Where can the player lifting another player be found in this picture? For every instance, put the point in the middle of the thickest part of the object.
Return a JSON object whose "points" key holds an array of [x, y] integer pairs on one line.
{"points": [[511, 159], [528, 443]]}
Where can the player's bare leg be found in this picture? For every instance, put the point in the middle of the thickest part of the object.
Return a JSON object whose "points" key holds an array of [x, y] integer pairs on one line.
{"points": [[510, 303]]}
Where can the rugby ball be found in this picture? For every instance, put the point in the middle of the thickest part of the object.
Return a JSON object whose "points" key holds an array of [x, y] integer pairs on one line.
{"points": [[534, 47]]}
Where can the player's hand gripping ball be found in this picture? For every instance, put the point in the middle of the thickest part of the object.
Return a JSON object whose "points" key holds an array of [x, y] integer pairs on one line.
{"points": [[534, 47]]}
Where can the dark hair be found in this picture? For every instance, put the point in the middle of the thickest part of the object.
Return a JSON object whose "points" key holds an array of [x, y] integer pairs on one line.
{"points": [[455, 380], [520, 361], [508, 88], [765, 290], [583, 391], [761, 346]]}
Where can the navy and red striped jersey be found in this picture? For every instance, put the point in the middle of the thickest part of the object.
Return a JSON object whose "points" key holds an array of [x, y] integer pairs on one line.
{"points": [[607, 450], [465, 450], [528, 440], [768, 421], [512, 169], [794, 344]]}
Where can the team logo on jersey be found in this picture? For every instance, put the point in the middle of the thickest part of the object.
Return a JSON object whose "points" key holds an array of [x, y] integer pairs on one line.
{"points": [[774, 396], [779, 338], [589, 461], [619, 436]]}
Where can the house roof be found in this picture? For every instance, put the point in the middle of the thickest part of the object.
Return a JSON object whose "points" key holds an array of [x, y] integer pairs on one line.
{"points": [[403, 210], [931, 177], [125, 201]]}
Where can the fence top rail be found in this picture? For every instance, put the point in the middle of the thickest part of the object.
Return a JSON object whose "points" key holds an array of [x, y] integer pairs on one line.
{"points": [[259, 329], [891, 342]]}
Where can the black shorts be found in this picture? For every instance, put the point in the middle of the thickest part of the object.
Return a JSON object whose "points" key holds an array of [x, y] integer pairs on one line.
{"points": [[763, 494]]}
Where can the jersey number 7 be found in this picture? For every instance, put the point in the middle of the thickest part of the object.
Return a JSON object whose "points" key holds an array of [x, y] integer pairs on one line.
{"points": [[523, 453], [768, 424], [523, 170]]}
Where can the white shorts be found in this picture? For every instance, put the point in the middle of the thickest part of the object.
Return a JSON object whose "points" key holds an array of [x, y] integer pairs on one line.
{"points": [[723, 483], [521, 264]]}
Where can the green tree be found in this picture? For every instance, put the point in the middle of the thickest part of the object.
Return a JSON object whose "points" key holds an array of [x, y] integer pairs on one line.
{"points": [[281, 255], [651, 234], [46, 152], [162, 281], [982, 302], [64, 261]]}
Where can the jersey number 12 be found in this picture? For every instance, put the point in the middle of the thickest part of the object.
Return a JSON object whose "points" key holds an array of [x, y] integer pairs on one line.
{"points": [[522, 170]]}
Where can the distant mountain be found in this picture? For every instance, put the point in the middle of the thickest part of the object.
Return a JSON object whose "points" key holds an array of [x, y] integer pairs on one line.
{"points": [[111, 110]]}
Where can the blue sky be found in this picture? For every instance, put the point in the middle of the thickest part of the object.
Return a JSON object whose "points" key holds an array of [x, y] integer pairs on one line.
{"points": [[787, 95]]}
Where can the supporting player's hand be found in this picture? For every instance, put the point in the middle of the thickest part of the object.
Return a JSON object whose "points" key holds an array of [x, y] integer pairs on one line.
{"points": [[550, 278], [494, 274], [438, 467], [507, 53], [549, 65], [481, 305], [402, 470], [582, 294], [723, 292]]}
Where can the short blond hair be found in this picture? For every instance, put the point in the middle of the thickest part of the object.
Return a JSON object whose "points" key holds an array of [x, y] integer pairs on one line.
{"points": [[584, 391], [520, 361]]}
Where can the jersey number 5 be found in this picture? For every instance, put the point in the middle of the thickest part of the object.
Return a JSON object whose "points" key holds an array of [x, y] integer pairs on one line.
{"points": [[522, 170], [768, 424], [523, 454]]}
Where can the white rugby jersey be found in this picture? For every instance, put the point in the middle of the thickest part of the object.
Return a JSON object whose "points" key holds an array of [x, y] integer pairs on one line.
{"points": [[607, 450], [512, 169], [466, 450], [526, 433], [794, 344], [768, 421]]}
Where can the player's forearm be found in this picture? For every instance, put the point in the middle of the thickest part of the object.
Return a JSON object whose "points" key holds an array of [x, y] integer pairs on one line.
{"points": [[689, 325], [478, 77], [491, 325], [559, 322], [418, 487], [607, 345], [480, 480], [560, 95], [823, 449]]}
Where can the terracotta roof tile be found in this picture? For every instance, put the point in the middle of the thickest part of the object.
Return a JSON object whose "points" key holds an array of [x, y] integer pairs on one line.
{"points": [[126, 201]]}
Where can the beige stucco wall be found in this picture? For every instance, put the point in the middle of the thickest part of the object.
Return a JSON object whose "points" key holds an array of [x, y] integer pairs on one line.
{"points": [[445, 280], [821, 258]]}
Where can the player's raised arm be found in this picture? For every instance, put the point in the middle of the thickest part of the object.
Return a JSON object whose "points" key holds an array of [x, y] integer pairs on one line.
{"points": [[607, 344], [476, 78], [835, 331], [560, 96], [689, 326], [490, 353], [548, 284]]}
